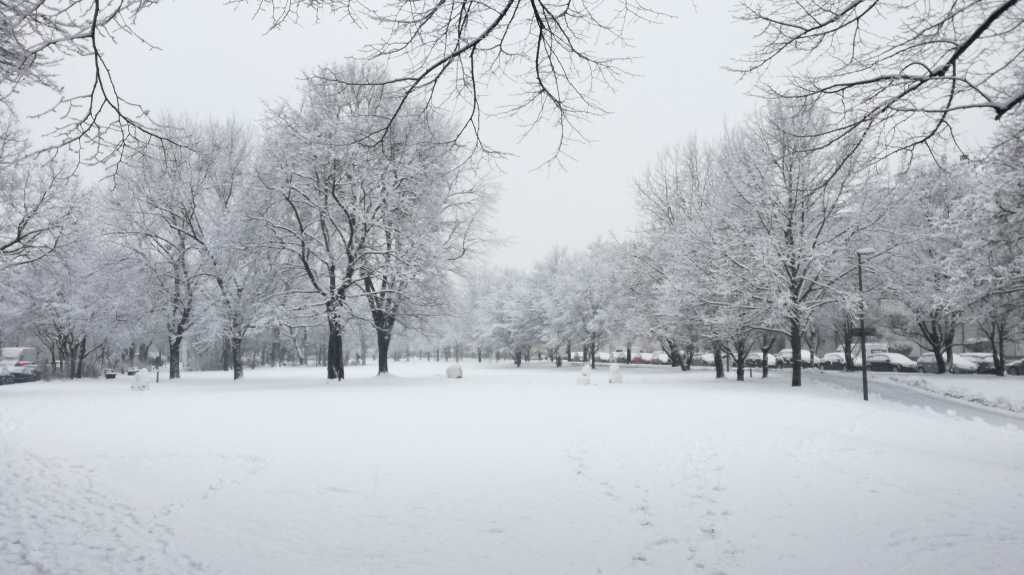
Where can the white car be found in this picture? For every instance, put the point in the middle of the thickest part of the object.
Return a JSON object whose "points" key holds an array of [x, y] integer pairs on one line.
{"points": [[808, 358], [961, 364], [833, 360], [754, 359], [986, 362], [18, 364], [706, 359], [891, 361]]}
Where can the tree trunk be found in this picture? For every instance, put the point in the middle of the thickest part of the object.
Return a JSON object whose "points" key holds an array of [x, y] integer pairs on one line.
{"points": [[275, 346], [225, 353], [795, 341], [764, 362], [934, 332], [743, 347], [144, 353], [174, 357], [81, 358], [674, 359], [998, 358], [950, 364], [719, 364], [848, 346], [383, 343], [335, 367], [940, 360], [236, 356], [629, 353], [517, 358], [593, 355]]}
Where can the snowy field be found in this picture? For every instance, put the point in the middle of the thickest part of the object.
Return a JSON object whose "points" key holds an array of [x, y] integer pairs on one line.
{"points": [[506, 471], [1003, 393]]}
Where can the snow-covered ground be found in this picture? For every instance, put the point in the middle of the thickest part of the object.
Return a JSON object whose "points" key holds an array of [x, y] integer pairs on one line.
{"points": [[1004, 393], [505, 471]]}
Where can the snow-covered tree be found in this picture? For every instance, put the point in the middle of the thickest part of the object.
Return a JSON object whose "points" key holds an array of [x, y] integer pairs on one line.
{"points": [[36, 196], [987, 261], [156, 202], [326, 182], [242, 269], [387, 219], [516, 315], [808, 209], [83, 302], [917, 273]]}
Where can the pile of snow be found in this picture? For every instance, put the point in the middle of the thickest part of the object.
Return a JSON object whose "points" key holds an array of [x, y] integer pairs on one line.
{"points": [[506, 471], [1005, 393], [584, 377]]}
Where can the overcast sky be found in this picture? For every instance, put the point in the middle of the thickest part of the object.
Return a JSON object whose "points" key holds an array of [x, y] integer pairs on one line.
{"points": [[215, 61]]}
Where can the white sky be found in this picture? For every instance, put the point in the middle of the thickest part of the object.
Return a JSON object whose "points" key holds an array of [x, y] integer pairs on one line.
{"points": [[216, 61]]}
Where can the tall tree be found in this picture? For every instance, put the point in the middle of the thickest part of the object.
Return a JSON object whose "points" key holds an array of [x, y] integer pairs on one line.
{"points": [[810, 207], [157, 197]]}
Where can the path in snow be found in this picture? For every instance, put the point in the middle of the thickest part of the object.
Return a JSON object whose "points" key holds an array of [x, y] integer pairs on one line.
{"points": [[881, 385]]}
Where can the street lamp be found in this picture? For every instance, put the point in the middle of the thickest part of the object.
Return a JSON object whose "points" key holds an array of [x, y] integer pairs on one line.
{"points": [[863, 345]]}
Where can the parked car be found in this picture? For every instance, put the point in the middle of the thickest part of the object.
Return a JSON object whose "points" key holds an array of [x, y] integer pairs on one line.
{"points": [[754, 359], [1015, 367], [872, 347], [19, 364], [642, 357], [833, 360], [808, 359], [891, 361], [961, 364], [986, 363], [704, 359]]}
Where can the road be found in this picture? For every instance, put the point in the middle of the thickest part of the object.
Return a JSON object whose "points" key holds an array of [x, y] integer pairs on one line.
{"points": [[890, 391]]}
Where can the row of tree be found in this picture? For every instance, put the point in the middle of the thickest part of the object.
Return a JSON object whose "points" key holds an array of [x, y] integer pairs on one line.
{"points": [[750, 243], [222, 230]]}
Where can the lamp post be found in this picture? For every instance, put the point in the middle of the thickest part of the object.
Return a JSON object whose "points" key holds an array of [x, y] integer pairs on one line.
{"points": [[863, 345]]}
